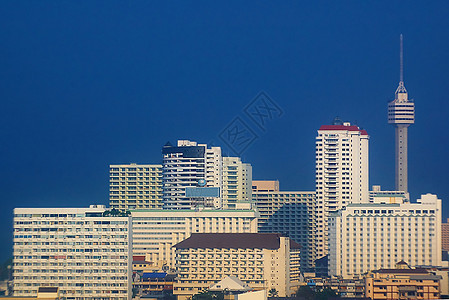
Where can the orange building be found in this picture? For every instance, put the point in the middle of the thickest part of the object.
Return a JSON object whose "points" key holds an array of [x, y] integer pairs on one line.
{"points": [[402, 283]]}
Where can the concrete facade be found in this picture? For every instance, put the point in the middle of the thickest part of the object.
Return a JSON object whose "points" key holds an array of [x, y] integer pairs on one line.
{"points": [[261, 260], [156, 231], [81, 251], [341, 174], [135, 186], [369, 236]]}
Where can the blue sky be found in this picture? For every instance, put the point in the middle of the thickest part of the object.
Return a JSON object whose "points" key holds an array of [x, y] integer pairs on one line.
{"points": [[85, 84]]}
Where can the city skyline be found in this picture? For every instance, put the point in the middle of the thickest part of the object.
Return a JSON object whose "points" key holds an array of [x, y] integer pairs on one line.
{"points": [[84, 87]]}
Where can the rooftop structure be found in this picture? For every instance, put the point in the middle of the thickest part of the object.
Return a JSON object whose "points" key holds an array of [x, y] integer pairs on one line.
{"points": [[401, 114]]}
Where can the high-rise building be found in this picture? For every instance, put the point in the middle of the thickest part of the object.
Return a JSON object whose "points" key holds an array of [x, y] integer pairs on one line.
{"points": [[401, 114], [195, 176], [191, 165], [369, 236], [445, 235], [156, 231], [261, 260], [85, 252], [291, 213], [135, 186], [237, 179], [341, 174]]}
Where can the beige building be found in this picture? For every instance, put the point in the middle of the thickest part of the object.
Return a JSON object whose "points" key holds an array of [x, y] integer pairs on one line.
{"points": [[237, 178], [155, 231], [370, 236], [135, 186], [290, 212], [261, 260], [402, 283], [83, 252], [445, 236]]}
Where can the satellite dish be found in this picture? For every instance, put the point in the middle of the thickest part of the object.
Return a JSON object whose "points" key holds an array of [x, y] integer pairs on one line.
{"points": [[201, 182]]}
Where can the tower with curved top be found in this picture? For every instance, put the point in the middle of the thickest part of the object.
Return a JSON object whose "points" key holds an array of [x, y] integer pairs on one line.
{"points": [[401, 114]]}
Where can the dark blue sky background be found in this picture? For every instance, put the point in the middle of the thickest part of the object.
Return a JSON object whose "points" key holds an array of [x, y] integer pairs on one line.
{"points": [[86, 84]]}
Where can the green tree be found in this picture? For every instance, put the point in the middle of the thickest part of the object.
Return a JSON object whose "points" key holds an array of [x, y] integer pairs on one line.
{"points": [[326, 294], [273, 293], [305, 293], [206, 295]]}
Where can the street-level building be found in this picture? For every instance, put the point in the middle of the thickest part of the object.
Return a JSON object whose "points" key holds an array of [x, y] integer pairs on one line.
{"points": [[291, 213], [84, 252], [402, 282], [341, 174], [135, 186], [370, 236], [260, 260], [156, 231]]}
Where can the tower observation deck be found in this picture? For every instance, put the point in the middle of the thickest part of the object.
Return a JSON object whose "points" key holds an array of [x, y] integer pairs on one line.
{"points": [[401, 114]]}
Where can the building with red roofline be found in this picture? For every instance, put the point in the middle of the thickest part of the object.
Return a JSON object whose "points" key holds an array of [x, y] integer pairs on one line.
{"points": [[341, 174]]}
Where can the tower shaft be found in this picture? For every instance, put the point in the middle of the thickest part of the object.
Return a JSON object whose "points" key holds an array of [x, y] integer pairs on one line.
{"points": [[401, 178]]}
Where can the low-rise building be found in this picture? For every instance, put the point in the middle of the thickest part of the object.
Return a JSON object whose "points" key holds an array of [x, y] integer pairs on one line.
{"points": [[402, 283], [261, 260], [85, 253]]}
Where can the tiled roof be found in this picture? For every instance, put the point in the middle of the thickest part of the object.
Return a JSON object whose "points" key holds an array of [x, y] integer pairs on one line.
{"points": [[234, 240]]}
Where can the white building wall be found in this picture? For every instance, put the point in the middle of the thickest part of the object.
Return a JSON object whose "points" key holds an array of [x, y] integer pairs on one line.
{"points": [[365, 237], [341, 174], [78, 250]]}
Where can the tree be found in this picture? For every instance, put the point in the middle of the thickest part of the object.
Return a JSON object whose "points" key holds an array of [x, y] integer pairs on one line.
{"points": [[206, 295], [305, 293], [326, 294], [273, 293]]}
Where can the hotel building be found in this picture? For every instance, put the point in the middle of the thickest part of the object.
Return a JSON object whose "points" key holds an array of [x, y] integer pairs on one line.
{"points": [[369, 236], [156, 231], [133, 186], [341, 174], [261, 260], [84, 252], [291, 213]]}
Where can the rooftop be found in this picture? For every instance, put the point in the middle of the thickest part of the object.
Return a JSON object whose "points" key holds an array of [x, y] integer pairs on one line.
{"points": [[234, 240]]}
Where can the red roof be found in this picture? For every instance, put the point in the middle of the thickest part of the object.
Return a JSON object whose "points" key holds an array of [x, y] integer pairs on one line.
{"points": [[343, 127]]}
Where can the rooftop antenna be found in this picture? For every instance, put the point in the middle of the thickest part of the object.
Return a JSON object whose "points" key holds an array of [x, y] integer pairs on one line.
{"points": [[401, 88], [401, 58]]}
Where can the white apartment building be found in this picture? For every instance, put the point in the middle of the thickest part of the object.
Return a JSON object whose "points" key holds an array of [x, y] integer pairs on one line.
{"points": [[371, 236], [191, 165], [156, 231], [84, 252], [291, 213], [135, 186], [237, 180], [341, 174], [261, 260]]}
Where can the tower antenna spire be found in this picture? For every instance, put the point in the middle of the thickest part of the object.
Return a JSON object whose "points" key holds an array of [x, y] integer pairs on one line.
{"points": [[401, 59]]}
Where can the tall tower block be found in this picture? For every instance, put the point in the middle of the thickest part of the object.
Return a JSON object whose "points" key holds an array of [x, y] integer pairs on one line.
{"points": [[401, 114]]}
